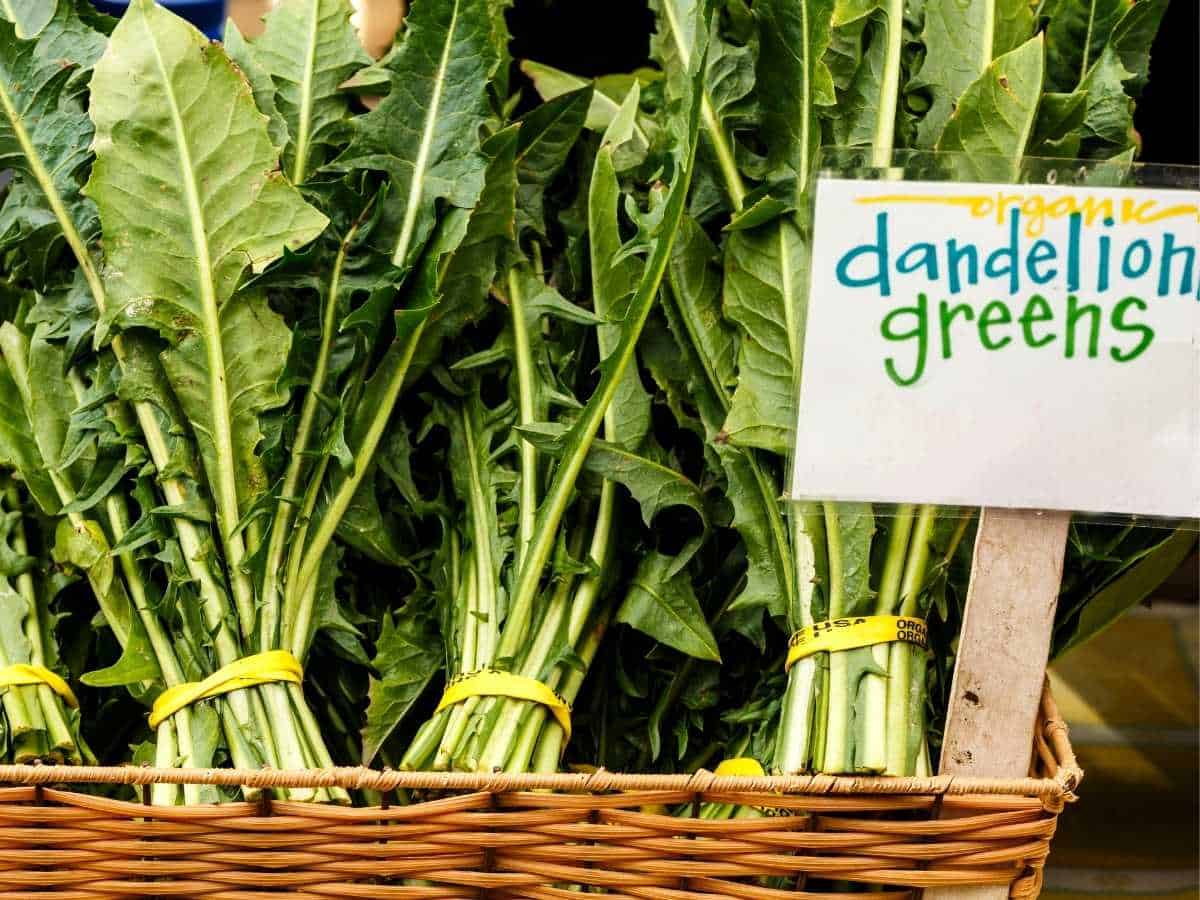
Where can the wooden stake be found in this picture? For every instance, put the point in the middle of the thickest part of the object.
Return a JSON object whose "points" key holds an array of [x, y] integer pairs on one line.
{"points": [[1016, 574]]}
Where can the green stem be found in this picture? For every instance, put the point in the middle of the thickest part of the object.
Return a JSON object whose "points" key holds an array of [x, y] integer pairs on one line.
{"points": [[548, 749], [281, 526], [837, 736], [527, 413], [166, 753], [457, 717], [58, 732], [550, 746], [298, 540], [987, 41], [311, 730], [795, 744], [117, 515], [425, 743], [16, 708], [820, 712], [304, 117], [180, 731], [871, 749], [338, 504], [722, 148], [905, 662], [889, 84], [574, 603], [487, 610], [469, 588]]}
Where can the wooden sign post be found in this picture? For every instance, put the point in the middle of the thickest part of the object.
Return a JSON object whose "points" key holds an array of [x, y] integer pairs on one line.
{"points": [[1016, 573]]}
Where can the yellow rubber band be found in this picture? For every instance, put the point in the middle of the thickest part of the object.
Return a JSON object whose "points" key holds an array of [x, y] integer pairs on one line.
{"points": [[741, 765], [261, 668], [860, 631], [494, 683], [21, 674]]}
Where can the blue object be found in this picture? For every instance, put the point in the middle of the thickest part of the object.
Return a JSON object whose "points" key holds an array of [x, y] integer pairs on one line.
{"points": [[207, 15]]}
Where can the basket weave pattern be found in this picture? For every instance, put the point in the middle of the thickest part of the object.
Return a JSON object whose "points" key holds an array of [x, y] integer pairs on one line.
{"points": [[532, 836]]}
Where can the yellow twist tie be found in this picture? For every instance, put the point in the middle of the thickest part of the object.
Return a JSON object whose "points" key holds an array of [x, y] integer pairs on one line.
{"points": [[850, 633], [494, 683], [741, 765], [261, 668], [22, 674]]}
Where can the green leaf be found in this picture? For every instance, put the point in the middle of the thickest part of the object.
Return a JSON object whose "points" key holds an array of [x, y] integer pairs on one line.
{"points": [[693, 307], [1108, 122], [219, 206], [364, 526], [29, 16], [408, 656], [371, 81], [143, 381], [1127, 590], [458, 268], [544, 141], [425, 133], [614, 279], [726, 87], [849, 529], [1076, 34], [764, 267], [764, 272], [665, 607], [653, 485], [729, 69], [961, 39], [51, 400], [84, 546], [607, 96], [856, 118], [254, 342], [694, 311], [543, 301], [1057, 130], [758, 518], [1014, 24], [847, 12], [44, 132], [994, 119], [844, 54], [13, 562], [760, 212], [14, 645], [1133, 37], [37, 370], [792, 81], [309, 48], [262, 86], [18, 449]]}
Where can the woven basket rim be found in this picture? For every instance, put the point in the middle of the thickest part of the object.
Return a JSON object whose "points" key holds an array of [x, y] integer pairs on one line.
{"points": [[600, 781]]}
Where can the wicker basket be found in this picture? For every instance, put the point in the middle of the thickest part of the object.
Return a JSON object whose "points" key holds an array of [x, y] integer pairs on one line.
{"points": [[535, 836]]}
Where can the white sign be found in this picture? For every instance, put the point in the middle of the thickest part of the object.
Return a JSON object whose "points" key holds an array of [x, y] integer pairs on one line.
{"points": [[1002, 345]]}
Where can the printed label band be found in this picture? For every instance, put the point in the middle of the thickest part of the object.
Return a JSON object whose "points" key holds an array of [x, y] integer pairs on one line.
{"points": [[855, 631]]}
